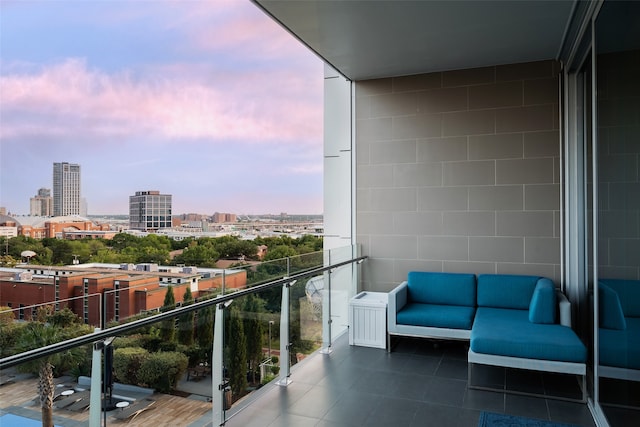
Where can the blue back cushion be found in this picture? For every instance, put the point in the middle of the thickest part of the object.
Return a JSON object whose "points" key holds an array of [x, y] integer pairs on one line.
{"points": [[506, 291], [610, 309], [442, 288], [542, 308], [629, 294]]}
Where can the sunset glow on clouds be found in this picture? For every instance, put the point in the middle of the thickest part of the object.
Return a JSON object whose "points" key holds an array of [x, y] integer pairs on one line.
{"points": [[189, 98], [117, 104]]}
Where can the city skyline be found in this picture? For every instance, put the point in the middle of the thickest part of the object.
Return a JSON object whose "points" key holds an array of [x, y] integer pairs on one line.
{"points": [[209, 101]]}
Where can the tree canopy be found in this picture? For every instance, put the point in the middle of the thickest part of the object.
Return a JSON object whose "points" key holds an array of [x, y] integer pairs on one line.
{"points": [[153, 248]]}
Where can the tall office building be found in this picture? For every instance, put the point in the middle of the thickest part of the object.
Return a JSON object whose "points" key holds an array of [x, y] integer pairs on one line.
{"points": [[41, 204], [149, 211], [66, 189]]}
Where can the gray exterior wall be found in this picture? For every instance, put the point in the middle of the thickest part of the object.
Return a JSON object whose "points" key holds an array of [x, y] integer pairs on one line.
{"points": [[459, 171], [619, 165]]}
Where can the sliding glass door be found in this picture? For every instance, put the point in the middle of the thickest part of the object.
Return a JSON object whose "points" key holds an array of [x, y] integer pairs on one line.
{"points": [[617, 172]]}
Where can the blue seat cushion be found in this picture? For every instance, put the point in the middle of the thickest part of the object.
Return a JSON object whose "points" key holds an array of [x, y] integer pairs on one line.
{"points": [[505, 291], [629, 293], [542, 308], [506, 332], [621, 348], [439, 316], [610, 309], [442, 288]]}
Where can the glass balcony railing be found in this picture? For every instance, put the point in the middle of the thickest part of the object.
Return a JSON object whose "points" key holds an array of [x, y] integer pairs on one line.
{"points": [[215, 350]]}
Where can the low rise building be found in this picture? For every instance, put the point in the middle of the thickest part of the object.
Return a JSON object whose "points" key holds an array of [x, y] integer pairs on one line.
{"points": [[120, 291], [38, 227]]}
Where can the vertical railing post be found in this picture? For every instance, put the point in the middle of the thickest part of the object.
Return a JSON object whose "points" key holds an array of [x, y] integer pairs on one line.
{"points": [[326, 310], [96, 374], [103, 309], [285, 344], [218, 383]]}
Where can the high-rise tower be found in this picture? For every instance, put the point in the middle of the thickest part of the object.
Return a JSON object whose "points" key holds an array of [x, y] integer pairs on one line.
{"points": [[42, 203], [66, 189], [149, 211]]}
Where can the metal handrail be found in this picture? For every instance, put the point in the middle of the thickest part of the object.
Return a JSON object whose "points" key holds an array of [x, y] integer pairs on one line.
{"points": [[34, 354]]}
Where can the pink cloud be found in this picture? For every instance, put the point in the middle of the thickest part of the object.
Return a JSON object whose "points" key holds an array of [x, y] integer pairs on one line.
{"points": [[238, 26], [69, 97]]}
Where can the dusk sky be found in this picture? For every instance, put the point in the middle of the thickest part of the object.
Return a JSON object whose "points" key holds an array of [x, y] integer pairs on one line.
{"points": [[210, 101]]}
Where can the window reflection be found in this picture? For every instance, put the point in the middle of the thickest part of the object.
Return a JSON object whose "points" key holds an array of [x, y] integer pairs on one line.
{"points": [[618, 171]]}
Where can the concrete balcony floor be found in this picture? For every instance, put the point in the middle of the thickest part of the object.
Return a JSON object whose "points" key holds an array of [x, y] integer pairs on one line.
{"points": [[420, 383]]}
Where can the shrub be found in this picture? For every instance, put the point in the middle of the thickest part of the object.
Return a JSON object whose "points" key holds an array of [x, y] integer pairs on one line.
{"points": [[127, 363], [267, 379], [9, 337], [6, 316], [169, 346], [64, 318], [152, 342], [195, 354], [81, 369], [161, 370], [128, 341]]}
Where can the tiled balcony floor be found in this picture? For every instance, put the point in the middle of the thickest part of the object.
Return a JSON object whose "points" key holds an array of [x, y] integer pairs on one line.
{"points": [[418, 384]]}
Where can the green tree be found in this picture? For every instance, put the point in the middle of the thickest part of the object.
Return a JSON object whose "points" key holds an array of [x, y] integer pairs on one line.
{"points": [[308, 243], [155, 241], [185, 322], [10, 332], [62, 252], [204, 330], [8, 261], [152, 255], [161, 370], [63, 318], [231, 247], [237, 353], [19, 244], [181, 244], [253, 331], [167, 328], [124, 240], [109, 256], [198, 255], [36, 335], [127, 362]]}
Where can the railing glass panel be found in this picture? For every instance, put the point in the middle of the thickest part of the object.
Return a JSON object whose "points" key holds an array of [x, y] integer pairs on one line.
{"points": [[213, 351]]}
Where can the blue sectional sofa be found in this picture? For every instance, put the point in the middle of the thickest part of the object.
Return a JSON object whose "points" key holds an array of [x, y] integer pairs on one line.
{"points": [[510, 320], [619, 331]]}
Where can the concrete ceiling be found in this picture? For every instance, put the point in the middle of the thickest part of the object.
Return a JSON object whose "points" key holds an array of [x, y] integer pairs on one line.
{"points": [[373, 39]]}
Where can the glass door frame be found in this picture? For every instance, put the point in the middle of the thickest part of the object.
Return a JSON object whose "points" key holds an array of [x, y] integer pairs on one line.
{"points": [[575, 215]]}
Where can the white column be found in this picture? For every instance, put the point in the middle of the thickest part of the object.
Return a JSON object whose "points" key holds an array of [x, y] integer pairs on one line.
{"points": [[339, 182]]}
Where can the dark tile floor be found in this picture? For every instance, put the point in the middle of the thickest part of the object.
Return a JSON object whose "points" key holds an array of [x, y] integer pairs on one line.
{"points": [[420, 383], [620, 402]]}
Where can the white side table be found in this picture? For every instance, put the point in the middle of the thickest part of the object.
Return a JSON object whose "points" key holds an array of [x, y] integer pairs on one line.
{"points": [[368, 319]]}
